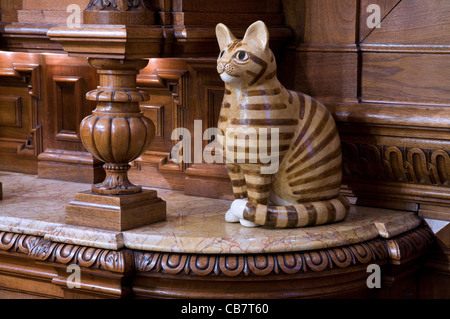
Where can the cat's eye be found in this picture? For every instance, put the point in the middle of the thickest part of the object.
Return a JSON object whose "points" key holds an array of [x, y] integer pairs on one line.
{"points": [[242, 55], [221, 54]]}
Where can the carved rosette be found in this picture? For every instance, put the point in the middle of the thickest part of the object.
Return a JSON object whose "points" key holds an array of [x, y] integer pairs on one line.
{"points": [[117, 132]]}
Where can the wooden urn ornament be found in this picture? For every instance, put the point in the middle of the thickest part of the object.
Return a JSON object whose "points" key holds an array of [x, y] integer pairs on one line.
{"points": [[117, 132], [304, 190]]}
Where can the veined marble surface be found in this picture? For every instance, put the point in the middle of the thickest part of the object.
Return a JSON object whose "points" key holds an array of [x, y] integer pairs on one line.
{"points": [[194, 224]]}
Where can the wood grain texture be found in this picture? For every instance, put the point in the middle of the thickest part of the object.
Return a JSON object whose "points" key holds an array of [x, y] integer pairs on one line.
{"points": [[338, 75], [21, 129], [187, 26], [413, 25], [115, 212], [405, 78], [396, 101], [386, 6], [335, 272]]}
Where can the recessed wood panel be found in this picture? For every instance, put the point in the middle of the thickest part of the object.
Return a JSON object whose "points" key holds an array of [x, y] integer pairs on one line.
{"points": [[367, 14], [415, 78], [329, 21], [156, 114], [414, 23], [327, 75], [10, 110], [68, 98]]}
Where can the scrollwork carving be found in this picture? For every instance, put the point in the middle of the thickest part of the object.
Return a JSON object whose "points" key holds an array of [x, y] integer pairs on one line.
{"points": [[260, 265], [97, 258], [397, 250], [397, 164]]}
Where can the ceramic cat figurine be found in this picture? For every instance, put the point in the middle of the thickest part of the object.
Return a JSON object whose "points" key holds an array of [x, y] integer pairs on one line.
{"points": [[305, 189]]}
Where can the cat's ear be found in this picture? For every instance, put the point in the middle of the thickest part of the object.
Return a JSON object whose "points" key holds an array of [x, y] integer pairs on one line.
{"points": [[257, 35], [224, 36]]}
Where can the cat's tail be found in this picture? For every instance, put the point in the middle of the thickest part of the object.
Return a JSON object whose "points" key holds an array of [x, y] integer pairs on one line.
{"points": [[298, 215]]}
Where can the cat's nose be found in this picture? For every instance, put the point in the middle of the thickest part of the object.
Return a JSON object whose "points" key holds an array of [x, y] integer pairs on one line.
{"points": [[220, 68]]}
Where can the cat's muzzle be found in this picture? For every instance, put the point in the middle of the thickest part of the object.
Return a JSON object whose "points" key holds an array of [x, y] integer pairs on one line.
{"points": [[220, 68], [227, 68]]}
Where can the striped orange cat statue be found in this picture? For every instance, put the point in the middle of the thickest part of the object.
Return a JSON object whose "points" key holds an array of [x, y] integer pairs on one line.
{"points": [[304, 190]]}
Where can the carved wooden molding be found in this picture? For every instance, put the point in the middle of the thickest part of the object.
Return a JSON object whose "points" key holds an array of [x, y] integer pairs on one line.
{"points": [[396, 250], [403, 248], [397, 164], [41, 249], [260, 265], [88, 257], [19, 243]]}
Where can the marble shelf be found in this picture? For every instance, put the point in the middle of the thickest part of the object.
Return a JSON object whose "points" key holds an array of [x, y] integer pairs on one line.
{"points": [[194, 224]]}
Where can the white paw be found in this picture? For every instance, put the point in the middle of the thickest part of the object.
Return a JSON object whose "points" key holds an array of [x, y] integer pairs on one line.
{"points": [[229, 217], [236, 211], [246, 223]]}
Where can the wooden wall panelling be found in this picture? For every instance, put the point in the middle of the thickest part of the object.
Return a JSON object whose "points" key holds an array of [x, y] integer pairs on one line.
{"points": [[404, 67], [8, 9], [386, 88], [395, 129], [194, 22], [188, 30], [166, 83], [412, 25], [326, 59], [435, 278], [203, 179], [367, 15], [405, 78], [182, 91], [67, 80], [20, 127]]}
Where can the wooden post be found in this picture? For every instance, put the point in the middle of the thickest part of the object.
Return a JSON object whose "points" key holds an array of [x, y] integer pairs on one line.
{"points": [[117, 132]]}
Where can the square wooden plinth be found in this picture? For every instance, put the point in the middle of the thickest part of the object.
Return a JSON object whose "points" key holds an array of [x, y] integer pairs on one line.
{"points": [[115, 212]]}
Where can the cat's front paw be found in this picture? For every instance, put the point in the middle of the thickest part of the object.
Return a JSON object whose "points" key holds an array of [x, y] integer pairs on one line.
{"points": [[230, 218], [247, 223], [236, 211]]}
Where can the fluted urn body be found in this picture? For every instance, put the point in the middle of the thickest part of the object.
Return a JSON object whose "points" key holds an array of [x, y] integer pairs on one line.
{"points": [[117, 132]]}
